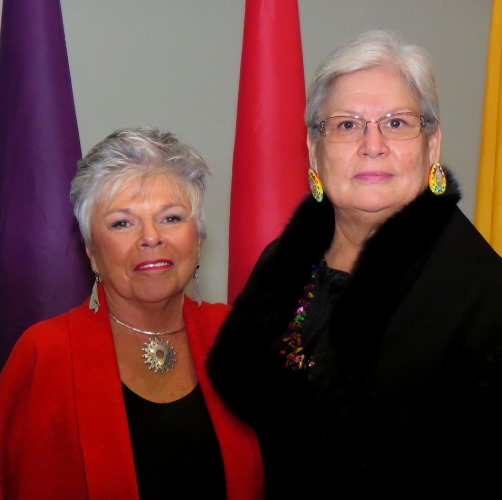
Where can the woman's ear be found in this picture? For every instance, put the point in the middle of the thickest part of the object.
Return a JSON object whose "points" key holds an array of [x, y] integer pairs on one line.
{"points": [[94, 267], [434, 142], [311, 146]]}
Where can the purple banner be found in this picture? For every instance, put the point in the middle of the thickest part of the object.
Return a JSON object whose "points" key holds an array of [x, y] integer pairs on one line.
{"points": [[43, 267]]}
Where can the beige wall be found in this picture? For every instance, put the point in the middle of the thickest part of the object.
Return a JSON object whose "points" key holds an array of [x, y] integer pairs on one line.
{"points": [[174, 64]]}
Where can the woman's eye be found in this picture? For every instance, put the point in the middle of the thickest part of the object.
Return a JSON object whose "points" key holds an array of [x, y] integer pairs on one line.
{"points": [[347, 125], [397, 123], [120, 224], [173, 218]]}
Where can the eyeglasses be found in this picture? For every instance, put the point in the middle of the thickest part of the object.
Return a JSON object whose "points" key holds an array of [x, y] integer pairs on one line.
{"points": [[392, 126]]}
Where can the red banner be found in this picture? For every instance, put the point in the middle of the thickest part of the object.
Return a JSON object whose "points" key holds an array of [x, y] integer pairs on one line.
{"points": [[270, 161]]}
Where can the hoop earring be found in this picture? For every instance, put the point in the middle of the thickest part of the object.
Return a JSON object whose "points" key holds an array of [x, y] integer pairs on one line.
{"points": [[94, 302], [315, 185], [437, 179]]}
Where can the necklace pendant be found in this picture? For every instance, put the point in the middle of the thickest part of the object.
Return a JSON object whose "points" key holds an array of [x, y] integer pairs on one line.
{"points": [[160, 355]]}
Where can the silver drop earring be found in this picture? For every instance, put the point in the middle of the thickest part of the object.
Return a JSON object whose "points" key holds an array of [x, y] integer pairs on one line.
{"points": [[94, 302], [196, 295]]}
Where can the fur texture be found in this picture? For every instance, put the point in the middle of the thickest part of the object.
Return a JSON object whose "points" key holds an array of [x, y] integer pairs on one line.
{"points": [[392, 388]]}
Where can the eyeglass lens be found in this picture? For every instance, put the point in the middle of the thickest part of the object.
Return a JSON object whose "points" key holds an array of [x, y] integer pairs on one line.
{"points": [[398, 126]]}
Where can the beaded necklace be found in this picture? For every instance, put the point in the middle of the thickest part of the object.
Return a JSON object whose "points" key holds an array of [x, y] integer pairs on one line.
{"points": [[293, 349]]}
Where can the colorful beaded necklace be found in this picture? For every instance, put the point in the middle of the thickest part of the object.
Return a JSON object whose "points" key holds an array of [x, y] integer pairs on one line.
{"points": [[293, 349]]}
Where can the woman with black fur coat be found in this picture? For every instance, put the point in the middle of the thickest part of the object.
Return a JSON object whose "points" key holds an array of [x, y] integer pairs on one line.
{"points": [[366, 347]]}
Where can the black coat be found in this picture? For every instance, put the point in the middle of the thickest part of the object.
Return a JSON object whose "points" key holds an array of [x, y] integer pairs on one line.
{"points": [[405, 398]]}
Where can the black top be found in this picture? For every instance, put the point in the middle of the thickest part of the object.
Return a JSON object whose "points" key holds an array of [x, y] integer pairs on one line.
{"points": [[175, 449], [327, 290]]}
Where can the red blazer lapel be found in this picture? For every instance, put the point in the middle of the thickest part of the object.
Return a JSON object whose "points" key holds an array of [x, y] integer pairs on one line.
{"points": [[101, 415]]}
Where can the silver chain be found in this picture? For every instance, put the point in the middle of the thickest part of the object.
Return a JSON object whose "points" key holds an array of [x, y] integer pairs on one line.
{"points": [[146, 332]]}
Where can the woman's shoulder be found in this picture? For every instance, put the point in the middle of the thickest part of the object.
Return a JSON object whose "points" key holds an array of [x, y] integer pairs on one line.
{"points": [[45, 341], [207, 311], [44, 332], [215, 307], [463, 240], [204, 321], [41, 355]]}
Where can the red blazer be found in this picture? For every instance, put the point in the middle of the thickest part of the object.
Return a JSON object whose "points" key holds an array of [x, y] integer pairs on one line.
{"points": [[63, 426]]}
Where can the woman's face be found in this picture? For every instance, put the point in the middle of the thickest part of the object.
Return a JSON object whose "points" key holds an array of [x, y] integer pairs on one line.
{"points": [[373, 174], [145, 244]]}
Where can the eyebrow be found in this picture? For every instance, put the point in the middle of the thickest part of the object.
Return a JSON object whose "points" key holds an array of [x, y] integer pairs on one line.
{"points": [[357, 115], [166, 206]]}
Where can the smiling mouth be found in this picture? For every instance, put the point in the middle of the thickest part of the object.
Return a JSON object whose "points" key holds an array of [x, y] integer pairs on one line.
{"points": [[154, 265]]}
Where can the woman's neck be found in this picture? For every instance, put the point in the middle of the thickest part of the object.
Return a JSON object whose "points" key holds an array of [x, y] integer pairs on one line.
{"points": [[351, 233], [156, 316]]}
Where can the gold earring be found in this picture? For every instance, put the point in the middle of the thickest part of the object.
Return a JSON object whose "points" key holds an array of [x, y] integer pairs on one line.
{"points": [[437, 179], [315, 185]]}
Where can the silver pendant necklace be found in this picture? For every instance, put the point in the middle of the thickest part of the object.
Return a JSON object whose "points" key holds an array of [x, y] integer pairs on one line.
{"points": [[159, 354]]}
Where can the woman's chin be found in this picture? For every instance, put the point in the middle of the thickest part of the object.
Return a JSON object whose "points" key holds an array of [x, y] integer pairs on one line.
{"points": [[378, 206]]}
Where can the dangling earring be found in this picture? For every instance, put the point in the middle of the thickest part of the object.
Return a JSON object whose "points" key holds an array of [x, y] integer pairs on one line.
{"points": [[437, 179], [315, 185], [196, 295], [94, 302]]}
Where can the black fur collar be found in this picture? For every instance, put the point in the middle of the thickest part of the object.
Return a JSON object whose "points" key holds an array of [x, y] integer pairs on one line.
{"points": [[284, 268], [385, 269]]}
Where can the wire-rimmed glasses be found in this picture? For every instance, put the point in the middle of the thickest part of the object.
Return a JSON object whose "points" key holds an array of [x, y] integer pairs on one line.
{"points": [[392, 126]]}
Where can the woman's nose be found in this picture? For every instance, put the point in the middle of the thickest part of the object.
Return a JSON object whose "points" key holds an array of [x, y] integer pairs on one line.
{"points": [[373, 143], [151, 235]]}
